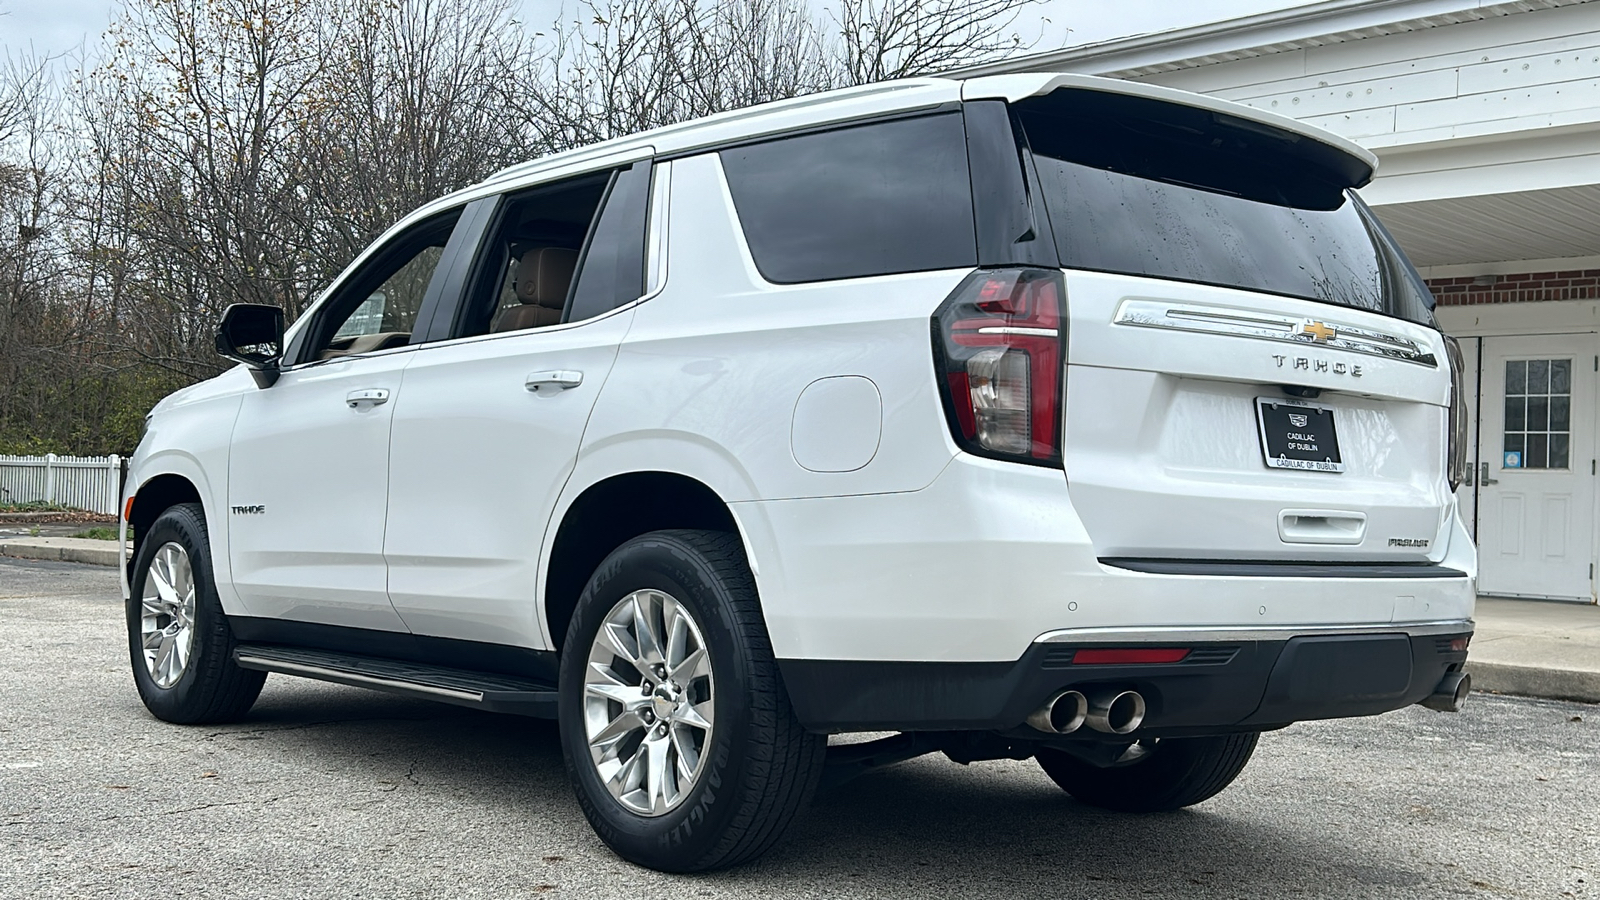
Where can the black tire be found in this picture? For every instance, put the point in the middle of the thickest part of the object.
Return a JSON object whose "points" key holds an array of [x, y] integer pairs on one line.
{"points": [[761, 766], [1177, 772], [212, 687]]}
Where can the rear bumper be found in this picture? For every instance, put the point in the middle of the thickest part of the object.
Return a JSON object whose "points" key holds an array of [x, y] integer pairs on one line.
{"points": [[992, 557], [1231, 680]]}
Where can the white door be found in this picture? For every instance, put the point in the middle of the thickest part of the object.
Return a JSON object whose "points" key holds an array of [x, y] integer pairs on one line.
{"points": [[484, 440], [1536, 467], [310, 470], [308, 473], [488, 431]]}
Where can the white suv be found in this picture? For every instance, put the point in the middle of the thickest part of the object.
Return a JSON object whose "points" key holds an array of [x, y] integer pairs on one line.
{"points": [[1028, 415]]}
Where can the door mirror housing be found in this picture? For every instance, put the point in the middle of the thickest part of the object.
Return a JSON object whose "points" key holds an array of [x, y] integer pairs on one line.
{"points": [[252, 333]]}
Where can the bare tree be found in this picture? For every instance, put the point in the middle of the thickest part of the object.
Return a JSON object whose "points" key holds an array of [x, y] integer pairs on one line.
{"points": [[885, 39], [626, 65], [217, 151]]}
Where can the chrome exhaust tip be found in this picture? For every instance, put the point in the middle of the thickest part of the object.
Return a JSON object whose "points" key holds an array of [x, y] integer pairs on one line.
{"points": [[1112, 711], [1451, 694], [1064, 713]]}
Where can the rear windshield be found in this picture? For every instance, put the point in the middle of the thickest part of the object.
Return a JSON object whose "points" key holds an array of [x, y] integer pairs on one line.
{"points": [[1133, 188]]}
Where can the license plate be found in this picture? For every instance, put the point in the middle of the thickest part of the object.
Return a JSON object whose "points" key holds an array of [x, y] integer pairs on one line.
{"points": [[1297, 435]]}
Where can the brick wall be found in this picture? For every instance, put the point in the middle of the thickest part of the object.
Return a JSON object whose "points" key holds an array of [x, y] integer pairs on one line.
{"points": [[1573, 284]]}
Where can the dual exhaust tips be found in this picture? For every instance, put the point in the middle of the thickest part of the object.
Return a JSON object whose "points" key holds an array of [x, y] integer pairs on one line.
{"points": [[1107, 710]]}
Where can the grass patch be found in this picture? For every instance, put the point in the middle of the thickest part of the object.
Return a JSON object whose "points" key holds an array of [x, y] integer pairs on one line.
{"points": [[98, 533], [33, 506]]}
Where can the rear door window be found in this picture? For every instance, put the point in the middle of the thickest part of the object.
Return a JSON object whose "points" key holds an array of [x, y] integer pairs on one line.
{"points": [[611, 273], [876, 199], [1189, 195]]}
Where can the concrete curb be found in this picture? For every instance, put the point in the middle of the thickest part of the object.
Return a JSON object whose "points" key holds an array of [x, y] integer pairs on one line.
{"points": [[78, 550], [1535, 681]]}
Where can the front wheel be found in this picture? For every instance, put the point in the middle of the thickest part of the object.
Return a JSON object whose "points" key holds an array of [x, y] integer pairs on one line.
{"points": [[1159, 775], [675, 726], [178, 638]]}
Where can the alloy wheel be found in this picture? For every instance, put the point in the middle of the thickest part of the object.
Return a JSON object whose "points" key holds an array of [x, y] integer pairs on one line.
{"points": [[647, 702], [166, 619]]}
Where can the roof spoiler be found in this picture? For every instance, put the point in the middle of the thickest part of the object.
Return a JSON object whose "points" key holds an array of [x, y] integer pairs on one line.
{"points": [[1351, 163]]}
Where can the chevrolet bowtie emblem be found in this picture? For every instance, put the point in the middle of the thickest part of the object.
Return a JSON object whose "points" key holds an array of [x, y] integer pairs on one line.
{"points": [[1318, 332]]}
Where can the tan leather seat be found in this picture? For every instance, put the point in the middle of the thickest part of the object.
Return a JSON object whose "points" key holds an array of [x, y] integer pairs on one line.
{"points": [[543, 276]]}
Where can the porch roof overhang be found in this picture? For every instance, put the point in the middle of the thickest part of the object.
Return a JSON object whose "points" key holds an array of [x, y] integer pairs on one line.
{"points": [[1278, 31]]}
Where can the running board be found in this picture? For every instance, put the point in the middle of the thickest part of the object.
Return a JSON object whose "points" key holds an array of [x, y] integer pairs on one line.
{"points": [[481, 690]]}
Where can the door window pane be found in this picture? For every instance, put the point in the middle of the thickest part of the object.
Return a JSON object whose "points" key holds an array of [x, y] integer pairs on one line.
{"points": [[1538, 413], [1558, 451], [1559, 412], [612, 271], [376, 307], [392, 307], [1560, 376], [1538, 376], [528, 261], [1516, 413]]}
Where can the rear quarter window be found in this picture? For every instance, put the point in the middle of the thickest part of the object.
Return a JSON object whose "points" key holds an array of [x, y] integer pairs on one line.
{"points": [[877, 199]]}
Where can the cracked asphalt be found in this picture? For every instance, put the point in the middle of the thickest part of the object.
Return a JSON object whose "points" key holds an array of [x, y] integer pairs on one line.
{"points": [[336, 792]]}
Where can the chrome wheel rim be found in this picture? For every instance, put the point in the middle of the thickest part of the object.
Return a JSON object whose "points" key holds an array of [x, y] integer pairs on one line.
{"points": [[647, 702], [166, 614]]}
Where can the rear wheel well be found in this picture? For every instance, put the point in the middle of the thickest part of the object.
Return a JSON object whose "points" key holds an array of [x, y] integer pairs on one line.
{"points": [[155, 497], [609, 513]]}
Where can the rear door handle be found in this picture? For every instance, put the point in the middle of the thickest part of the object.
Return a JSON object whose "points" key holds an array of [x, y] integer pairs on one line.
{"points": [[1483, 476], [560, 379], [370, 397]]}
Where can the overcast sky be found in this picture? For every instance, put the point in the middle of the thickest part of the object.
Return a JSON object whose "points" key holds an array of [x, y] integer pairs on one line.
{"points": [[58, 26]]}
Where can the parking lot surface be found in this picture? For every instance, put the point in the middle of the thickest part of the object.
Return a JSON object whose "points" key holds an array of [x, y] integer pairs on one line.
{"points": [[329, 791]]}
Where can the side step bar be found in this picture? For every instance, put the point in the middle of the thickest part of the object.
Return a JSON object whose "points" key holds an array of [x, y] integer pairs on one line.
{"points": [[481, 690]]}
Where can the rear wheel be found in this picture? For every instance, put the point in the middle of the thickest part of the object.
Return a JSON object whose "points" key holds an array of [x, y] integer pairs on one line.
{"points": [[677, 732], [179, 641], [1156, 775]]}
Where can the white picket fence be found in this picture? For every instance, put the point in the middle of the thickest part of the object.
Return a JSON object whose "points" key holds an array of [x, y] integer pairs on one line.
{"points": [[93, 483]]}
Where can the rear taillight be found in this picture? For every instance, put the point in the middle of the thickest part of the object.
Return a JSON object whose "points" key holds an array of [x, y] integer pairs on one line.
{"points": [[1456, 449], [997, 344]]}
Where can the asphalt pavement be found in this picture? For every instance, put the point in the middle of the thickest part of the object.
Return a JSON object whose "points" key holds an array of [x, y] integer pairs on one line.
{"points": [[329, 791]]}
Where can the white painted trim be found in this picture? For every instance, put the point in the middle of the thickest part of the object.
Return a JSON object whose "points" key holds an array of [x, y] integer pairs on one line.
{"points": [[1505, 319], [1511, 267], [1491, 177]]}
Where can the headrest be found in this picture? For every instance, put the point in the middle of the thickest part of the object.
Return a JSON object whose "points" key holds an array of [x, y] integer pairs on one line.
{"points": [[544, 274]]}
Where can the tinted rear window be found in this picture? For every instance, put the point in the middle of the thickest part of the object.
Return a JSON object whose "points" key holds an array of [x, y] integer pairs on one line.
{"points": [[612, 271], [875, 199], [1130, 193]]}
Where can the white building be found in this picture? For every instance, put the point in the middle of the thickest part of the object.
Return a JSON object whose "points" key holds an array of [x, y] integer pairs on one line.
{"points": [[1486, 118]]}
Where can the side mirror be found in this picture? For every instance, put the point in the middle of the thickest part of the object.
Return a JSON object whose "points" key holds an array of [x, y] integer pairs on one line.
{"points": [[252, 333]]}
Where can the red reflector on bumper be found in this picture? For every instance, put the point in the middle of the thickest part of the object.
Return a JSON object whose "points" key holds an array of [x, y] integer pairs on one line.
{"points": [[1124, 656]]}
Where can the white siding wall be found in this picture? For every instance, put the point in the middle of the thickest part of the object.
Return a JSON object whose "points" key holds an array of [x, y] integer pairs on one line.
{"points": [[1498, 75]]}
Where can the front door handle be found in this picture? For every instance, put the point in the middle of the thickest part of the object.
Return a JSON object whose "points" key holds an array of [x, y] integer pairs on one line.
{"points": [[370, 397], [1483, 476], [560, 379]]}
